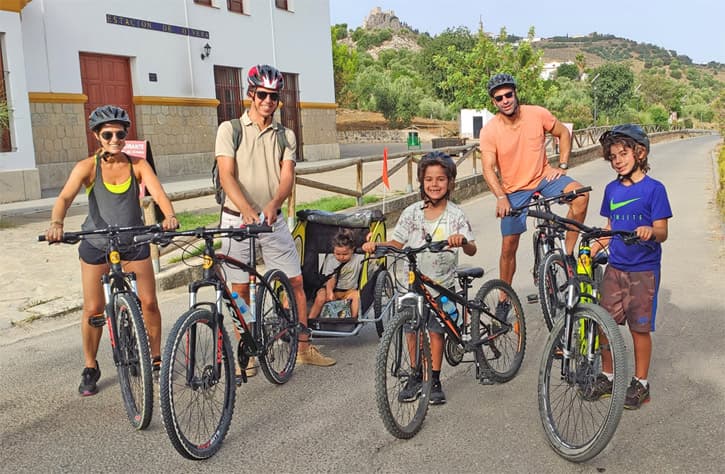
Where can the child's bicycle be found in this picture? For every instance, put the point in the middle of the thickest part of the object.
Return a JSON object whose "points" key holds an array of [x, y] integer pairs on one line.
{"points": [[197, 380], [126, 328], [492, 328], [578, 423]]}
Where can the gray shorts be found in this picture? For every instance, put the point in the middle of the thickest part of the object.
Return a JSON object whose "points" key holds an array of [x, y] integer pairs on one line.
{"points": [[278, 250]]}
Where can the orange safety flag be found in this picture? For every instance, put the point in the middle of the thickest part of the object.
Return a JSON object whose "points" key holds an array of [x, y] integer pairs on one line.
{"points": [[386, 181]]}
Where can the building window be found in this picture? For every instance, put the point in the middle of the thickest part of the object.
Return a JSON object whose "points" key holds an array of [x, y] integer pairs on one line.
{"points": [[5, 144], [236, 6], [229, 92], [203, 2], [281, 4]]}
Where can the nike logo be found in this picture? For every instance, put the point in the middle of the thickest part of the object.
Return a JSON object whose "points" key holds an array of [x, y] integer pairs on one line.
{"points": [[613, 206]]}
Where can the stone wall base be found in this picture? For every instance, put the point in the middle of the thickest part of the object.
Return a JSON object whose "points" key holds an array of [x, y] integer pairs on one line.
{"points": [[19, 185]]}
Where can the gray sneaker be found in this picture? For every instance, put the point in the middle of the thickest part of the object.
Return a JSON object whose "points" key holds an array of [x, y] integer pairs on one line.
{"points": [[502, 310], [601, 388], [637, 395], [412, 390], [437, 397], [89, 377]]}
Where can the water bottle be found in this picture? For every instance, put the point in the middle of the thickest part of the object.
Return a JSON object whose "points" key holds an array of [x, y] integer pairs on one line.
{"points": [[449, 307], [243, 307]]}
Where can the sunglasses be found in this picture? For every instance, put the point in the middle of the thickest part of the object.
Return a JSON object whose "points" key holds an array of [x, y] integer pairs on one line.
{"points": [[121, 134], [499, 98], [262, 95]]}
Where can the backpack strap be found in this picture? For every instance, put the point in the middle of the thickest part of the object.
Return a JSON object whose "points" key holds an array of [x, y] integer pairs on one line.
{"points": [[237, 131], [281, 139]]}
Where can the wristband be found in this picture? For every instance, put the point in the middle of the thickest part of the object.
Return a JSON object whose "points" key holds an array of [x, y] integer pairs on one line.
{"points": [[501, 197]]}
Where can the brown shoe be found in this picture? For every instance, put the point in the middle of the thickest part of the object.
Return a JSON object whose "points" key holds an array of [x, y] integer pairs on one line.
{"points": [[312, 356]]}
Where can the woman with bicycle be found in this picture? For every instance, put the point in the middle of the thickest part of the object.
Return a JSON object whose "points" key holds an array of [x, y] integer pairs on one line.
{"points": [[437, 218], [112, 181], [633, 202]]}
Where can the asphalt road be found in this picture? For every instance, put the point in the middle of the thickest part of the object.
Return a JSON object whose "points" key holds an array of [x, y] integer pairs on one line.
{"points": [[325, 419]]}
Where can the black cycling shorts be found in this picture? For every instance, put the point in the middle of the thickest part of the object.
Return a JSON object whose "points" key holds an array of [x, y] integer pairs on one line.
{"points": [[94, 256]]}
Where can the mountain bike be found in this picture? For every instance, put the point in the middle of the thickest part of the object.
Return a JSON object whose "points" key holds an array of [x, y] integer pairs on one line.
{"points": [[492, 328], [578, 424], [546, 239], [197, 380], [126, 329]]}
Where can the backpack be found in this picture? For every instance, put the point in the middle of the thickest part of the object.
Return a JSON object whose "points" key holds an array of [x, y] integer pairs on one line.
{"points": [[237, 130]]}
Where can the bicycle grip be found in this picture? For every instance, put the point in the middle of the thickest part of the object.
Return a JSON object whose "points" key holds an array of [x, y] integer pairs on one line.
{"points": [[143, 238], [547, 216], [41, 238]]}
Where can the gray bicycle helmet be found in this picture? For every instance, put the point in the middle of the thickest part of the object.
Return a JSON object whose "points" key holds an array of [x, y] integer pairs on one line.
{"points": [[630, 130], [441, 159], [108, 114], [500, 80], [264, 75]]}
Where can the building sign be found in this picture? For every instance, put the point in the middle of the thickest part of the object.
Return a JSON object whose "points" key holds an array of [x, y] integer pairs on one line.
{"points": [[152, 25]]}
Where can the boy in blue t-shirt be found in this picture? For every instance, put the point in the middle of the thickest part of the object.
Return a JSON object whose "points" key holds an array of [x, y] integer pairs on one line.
{"points": [[633, 202]]}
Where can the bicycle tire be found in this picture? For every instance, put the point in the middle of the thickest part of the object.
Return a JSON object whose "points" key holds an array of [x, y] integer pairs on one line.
{"points": [[133, 360], [560, 397], [552, 287], [276, 327], [197, 412], [383, 301], [505, 353], [393, 369], [538, 243]]}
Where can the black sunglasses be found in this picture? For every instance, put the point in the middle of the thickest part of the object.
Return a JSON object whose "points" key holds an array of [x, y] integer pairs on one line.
{"points": [[499, 98], [121, 134], [262, 95]]}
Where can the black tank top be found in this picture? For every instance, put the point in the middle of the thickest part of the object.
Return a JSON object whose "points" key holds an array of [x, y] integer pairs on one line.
{"points": [[112, 208]]}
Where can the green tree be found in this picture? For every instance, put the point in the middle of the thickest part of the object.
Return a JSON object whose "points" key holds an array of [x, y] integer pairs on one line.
{"points": [[345, 64], [612, 85], [452, 39], [567, 70]]}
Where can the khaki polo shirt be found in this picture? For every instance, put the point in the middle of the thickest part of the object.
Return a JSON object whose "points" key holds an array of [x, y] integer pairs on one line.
{"points": [[258, 159]]}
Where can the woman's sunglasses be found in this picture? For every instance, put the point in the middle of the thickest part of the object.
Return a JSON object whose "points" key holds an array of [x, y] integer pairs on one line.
{"points": [[121, 134]]}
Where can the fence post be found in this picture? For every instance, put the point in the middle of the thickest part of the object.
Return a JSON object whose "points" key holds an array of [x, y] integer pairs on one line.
{"points": [[409, 187], [149, 217], [359, 185], [291, 203]]}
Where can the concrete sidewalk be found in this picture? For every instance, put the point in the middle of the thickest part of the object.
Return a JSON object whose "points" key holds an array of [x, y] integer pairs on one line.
{"points": [[42, 281]]}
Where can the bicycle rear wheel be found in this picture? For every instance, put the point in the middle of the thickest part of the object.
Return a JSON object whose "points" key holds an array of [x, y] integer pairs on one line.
{"points": [[133, 360], [577, 425], [277, 321], [383, 304], [553, 279], [197, 384], [504, 354], [403, 375]]}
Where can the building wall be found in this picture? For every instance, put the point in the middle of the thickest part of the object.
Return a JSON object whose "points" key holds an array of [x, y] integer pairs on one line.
{"points": [[177, 112], [19, 177]]}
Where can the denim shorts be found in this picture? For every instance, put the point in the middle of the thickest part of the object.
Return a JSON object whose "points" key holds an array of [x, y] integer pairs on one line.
{"points": [[511, 225]]}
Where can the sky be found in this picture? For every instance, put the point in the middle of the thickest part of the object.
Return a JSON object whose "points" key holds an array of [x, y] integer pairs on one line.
{"points": [[695, 28]]}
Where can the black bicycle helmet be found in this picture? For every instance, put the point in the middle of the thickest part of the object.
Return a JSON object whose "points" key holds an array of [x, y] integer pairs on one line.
{"points": [[630, 130], [441, 159], [108, 114], [500, 80], [264, 75]]}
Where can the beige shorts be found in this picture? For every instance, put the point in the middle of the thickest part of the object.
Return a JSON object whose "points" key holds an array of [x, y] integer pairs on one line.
{"points": [[278, 250]]}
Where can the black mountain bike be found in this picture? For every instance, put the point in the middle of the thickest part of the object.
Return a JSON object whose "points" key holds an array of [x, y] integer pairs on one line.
{"points": [[493, 330], [578, 424], [126, 329], [197, 380], [547, 239]]}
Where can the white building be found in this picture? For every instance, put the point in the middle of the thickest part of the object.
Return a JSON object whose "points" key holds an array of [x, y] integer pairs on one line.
{"points": [[179, 67], [472, 121]]}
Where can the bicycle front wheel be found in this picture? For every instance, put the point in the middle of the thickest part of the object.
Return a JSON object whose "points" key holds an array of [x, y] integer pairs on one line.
{"points": [[277, 321], [504, 352], [133, 360], [577, 424], [197, 384], [553, 280], [403, 375]]}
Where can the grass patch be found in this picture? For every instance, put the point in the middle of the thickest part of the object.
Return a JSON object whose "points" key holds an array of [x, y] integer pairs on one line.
{"points": [[721, 192], [5, 224], [194, 251], [189, 220]]}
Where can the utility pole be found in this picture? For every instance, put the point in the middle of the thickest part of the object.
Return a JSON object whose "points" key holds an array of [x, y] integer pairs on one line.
{"points": [[594, 96]]}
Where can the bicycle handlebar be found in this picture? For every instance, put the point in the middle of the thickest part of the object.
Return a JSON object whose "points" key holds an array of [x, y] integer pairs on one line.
{"points": [[238, 233], [437, 246], [75, 237], [629, 237], [560, 198]]}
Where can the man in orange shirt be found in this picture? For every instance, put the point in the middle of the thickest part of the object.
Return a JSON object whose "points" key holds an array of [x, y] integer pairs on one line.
{"points": [[513, 142]]}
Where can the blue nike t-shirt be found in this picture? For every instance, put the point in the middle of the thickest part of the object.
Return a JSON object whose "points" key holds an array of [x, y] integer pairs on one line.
{"points": [[628, 207]]}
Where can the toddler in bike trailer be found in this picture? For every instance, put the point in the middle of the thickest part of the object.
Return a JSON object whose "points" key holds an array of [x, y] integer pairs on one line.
{"points": [[435, 216], [341, 271], [632, 202]]}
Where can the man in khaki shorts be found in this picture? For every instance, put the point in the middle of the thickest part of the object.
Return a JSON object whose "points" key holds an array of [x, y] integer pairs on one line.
{"points": [[257, 180]]}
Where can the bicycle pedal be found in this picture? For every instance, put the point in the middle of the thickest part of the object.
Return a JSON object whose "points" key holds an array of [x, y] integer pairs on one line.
{"points": [[484, 377], [532, 298], [97, 321]]}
